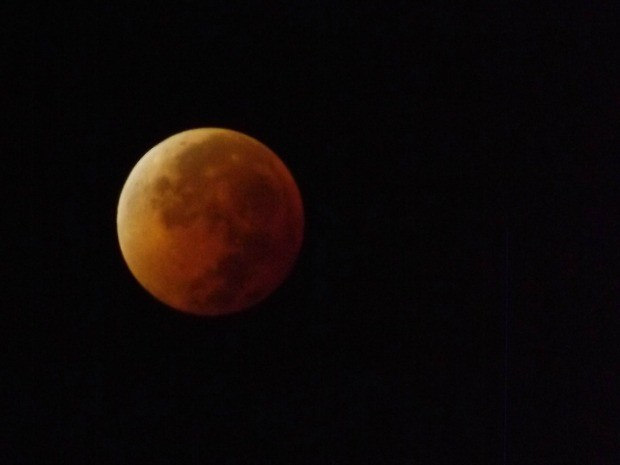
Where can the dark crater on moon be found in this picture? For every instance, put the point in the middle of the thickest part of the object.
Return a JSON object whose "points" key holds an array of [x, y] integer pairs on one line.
{"points": [[234, 271], [243, 190]]}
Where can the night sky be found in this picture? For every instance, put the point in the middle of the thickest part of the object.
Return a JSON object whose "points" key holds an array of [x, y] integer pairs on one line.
{"points": [[456, 298]]}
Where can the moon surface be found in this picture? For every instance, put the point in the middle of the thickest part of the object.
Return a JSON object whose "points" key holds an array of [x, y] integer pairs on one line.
{"points": [[210, 221]]}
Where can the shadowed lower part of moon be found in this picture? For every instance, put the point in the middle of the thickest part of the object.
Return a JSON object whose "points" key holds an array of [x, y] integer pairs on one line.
{"points": [[210, 221]]}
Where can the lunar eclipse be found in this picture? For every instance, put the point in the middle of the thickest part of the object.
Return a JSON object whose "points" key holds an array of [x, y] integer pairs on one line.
{"points": [[210, 221]]}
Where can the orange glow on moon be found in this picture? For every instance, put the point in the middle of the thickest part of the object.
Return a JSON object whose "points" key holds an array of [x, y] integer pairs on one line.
{"points": [[210, 221]]}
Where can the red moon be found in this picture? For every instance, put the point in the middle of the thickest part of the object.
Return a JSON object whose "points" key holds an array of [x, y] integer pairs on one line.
{"points": [[210, 221]]}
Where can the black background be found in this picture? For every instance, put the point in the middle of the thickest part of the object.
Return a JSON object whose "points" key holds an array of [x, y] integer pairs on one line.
{"points": [[456, 298]]}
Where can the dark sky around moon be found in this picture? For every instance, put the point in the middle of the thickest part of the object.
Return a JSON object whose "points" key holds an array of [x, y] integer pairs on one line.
{"points": [[456, 296]]}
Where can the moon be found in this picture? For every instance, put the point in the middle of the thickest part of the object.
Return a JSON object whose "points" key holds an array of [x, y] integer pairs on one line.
{"points": [[210, 221]]}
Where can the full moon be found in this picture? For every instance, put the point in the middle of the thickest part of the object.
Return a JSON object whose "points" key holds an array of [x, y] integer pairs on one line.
{"points": [[210, 221]]}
